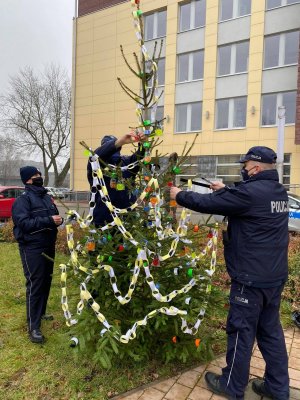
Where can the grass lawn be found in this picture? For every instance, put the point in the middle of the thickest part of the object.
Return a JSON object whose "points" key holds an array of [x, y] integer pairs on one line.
{"points": [[53, 370]]}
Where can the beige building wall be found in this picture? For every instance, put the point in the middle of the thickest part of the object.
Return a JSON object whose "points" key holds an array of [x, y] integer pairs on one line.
{"points": [[101, 107]]}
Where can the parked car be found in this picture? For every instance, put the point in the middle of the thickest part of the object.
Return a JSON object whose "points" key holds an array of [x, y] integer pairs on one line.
{"points": [[8, 195], [56, 193], [294, 213]]}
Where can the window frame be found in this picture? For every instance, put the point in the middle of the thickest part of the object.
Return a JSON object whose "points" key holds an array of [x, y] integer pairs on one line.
{"points": [[190, 55], [192, 16], [189, 117], [283, 3], [279, 97], [233, 53], [231, 114], [281, 51], [155, 24], [235, 8]]}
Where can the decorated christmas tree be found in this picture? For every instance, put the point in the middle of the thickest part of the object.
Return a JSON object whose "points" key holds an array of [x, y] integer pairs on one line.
{"points": [[145, 279]]}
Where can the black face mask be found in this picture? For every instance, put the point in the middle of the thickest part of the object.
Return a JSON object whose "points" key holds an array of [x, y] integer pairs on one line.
{"points": [[38, 181], [245, 173]]}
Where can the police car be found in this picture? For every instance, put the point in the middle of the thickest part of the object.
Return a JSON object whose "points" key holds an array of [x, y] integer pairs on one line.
{"points": [[294, 212]]}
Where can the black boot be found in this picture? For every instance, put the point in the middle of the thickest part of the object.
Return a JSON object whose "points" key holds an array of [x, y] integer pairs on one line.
{"points": [[213, 382], [36, 336]]}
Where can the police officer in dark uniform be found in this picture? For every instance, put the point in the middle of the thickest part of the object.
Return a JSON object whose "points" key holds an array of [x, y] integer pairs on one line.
{"points": [[255, 249], [36, 219], [110, 153]]}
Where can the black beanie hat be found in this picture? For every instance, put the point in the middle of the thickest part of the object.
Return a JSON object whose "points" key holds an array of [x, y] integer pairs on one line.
{"points": [[27, 172]]}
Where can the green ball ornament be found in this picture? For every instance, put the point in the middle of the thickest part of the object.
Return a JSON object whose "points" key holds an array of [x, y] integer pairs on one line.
{"points": [[176, 170], [109, 237], [146, 145], [190, 272]]}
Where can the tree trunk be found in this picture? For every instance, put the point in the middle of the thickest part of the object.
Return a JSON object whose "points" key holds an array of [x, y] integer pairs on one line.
{"points": [[62, 175]]}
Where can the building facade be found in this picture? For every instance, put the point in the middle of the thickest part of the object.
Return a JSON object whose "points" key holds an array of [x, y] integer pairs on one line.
{"points": [[225, 68]]}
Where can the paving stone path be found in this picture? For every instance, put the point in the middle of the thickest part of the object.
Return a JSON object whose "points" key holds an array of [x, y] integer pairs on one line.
{"points": [[191, 385]]}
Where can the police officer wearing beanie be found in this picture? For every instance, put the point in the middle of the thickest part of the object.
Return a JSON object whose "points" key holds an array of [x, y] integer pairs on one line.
{"points": [[255, 249], [36, 219], [110, 153]]}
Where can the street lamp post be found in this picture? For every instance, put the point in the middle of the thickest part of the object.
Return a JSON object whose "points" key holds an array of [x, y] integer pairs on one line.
{"points": [[280, 142]]}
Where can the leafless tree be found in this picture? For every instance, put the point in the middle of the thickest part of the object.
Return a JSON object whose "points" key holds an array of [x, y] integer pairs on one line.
{"points": [[36, 112], [10, 162]]}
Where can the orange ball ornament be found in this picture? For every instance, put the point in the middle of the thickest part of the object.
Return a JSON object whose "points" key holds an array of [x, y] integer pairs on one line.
{"points": [[197, 342], [196, 228], [91, 245], [153, 200], [173, 203]]}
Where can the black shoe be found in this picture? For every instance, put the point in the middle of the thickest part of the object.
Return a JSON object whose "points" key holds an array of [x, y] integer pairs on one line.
{"points": [[36, 336], [296, 318], [258, 386], [213, 382], [47, 317]]}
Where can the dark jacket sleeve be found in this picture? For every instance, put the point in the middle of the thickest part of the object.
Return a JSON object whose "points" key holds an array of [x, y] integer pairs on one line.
{"points": [[105, 152], [228, 201], [22, 217]]}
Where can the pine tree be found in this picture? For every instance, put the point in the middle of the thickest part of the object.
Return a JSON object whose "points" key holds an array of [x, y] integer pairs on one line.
{"points": [[143, 275]]}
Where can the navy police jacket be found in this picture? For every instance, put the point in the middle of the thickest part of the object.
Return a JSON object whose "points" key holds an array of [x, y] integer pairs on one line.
{"points": [[31, 213], [256, 241], [109, 154]]}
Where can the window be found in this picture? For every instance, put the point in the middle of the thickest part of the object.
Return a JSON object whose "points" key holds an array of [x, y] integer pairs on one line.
{"points": [[233, 58], [230, 9], [270, 104], [159, 113], [192, 15], [161, 65], [155, 25], [190, 66], [278, 3], [281, 49], [231, 113], [229, 171], [227, 168], [189, 117], [160, 73]]}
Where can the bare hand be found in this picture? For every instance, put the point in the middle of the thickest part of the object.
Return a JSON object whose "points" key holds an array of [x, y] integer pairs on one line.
{"points": [[217, 185], [57, 219], [173, 192]]}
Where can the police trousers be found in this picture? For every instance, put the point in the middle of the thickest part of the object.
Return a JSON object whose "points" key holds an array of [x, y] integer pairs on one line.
{"points": [[254, 314], [38, 272]]}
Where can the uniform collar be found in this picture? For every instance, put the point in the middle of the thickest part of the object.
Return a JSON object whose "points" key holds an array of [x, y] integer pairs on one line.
{"points": [[40, 191]]}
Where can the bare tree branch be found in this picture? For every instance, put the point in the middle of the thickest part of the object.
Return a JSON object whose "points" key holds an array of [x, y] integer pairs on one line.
{"points": [[36, 111]]}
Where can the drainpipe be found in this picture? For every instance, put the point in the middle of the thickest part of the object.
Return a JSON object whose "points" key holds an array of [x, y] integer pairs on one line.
{"points": [[72, 155]]}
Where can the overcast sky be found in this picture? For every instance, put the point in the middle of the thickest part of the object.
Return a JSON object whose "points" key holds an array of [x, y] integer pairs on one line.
{"points": [[34, 33]]}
